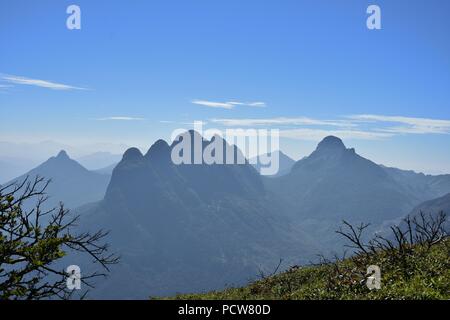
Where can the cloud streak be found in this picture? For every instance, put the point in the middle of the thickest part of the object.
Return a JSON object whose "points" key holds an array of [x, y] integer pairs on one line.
{"points": [[319, 134], [228, 105], [18, 80], [121, 118], [406, 125], [283, 121], [367, 127]]}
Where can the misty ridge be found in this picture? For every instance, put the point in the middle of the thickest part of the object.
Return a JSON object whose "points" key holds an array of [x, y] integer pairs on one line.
{"points": [[16, 158], [183, 228]]}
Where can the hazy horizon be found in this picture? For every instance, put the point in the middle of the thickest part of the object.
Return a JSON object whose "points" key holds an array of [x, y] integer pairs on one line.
{"points": [[27, 151]]}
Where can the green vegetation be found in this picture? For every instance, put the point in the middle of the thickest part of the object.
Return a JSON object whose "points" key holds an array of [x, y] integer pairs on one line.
{"points": [[415, 264], [33, 240]]}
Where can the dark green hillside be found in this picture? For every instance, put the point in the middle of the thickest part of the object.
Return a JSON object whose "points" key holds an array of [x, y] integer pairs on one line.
{"points": [[408, 271]]}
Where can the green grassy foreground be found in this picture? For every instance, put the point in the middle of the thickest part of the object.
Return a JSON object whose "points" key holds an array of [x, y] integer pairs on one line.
{"points": [[412, 272]]}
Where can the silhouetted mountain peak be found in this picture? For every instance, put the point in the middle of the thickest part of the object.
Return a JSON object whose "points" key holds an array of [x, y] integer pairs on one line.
{"points": [[61, 160], [158, 147], [159, 150], [331, 143], [62, 155], [132, 154], [60, 163], [331, 152]]}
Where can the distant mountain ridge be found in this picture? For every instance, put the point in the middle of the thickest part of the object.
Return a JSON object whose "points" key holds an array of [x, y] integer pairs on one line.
{"points": [[334, 183], [285, 162], [106, 170], [434, 207], [426, 186], [71, 183]]}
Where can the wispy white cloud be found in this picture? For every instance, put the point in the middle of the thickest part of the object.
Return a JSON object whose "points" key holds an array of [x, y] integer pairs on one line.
{"points": [[228, 105], [406, 125], [191, 123], [368, 127], [38, 83], [257, 104], [282, 121], [212, 104], [248, 104], [167, 121], [319, 134], [308, 128], [362, 127], [121, 119]]}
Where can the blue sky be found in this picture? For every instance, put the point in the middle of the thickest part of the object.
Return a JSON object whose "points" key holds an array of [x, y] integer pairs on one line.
{"points": [[139, 69]]}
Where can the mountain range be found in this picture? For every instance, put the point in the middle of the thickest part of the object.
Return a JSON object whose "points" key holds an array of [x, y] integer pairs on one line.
{"points": [[191, 228], [334, 183], [71, 183], [17, 157], [434, 207]]}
